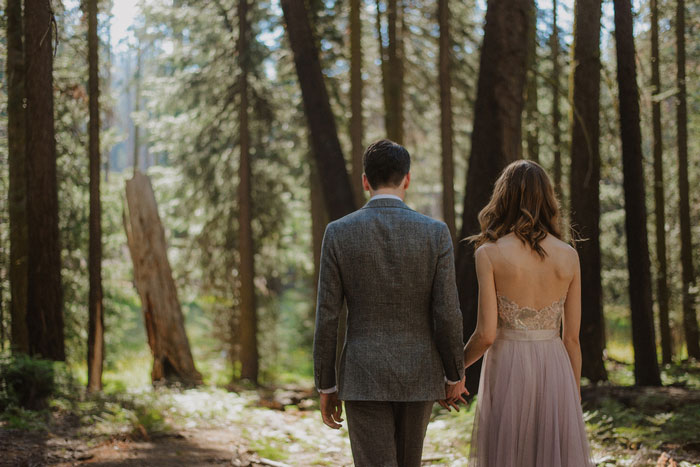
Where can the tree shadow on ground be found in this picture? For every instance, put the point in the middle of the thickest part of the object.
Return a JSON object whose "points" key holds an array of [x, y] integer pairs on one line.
{"points": [[193, 448]]}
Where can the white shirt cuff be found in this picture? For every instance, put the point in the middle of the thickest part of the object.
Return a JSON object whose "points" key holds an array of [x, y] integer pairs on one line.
{"points": [[451, 383], [329, 390]]}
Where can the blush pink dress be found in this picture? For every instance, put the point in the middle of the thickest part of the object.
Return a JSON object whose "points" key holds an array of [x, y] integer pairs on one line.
{"points": [[528, 408]]}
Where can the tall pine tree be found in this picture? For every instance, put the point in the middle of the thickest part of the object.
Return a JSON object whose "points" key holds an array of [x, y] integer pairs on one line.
{"points": [[247, 325], [446, 121], [96, 346], [356, 120], [45, 296], [659, 197], [585, 181], [16, 139], [338, 194], [496, 137], [690, 322], [646, 367]]}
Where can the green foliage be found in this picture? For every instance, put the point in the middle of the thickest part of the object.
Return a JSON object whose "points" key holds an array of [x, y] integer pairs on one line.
{"points": [[270, 448], [25, 381], [32, 390], [612, 423], [136, 414]]}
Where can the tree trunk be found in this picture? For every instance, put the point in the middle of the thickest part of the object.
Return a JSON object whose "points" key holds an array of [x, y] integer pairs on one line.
{"points": [[446, 126], [690, 323], [16, 142], [395, 82], [3, 278], [556, 113], [392, 65], [660, 209], [338, 194], [356, 120], [496, 137], [319, 220], [165, 324], [584, 181], [137, 108], [108, 81], [95, 310], [532, 129], [384, 64], [248, 316], [646, 367], [44, 292]]}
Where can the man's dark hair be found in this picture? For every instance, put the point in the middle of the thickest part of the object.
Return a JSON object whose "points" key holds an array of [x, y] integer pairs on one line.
{"points": [[386, 163]]}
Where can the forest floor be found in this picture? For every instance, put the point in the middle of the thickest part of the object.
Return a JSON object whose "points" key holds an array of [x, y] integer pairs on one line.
{"points": [[282, 427]]}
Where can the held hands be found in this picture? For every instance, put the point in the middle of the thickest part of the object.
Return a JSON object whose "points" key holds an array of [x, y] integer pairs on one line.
{"points": [[331, 410], [453, 394]]}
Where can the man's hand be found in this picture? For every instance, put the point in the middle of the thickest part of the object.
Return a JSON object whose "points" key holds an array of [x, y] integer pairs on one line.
{"points": [[453, 394], [331, 410]]}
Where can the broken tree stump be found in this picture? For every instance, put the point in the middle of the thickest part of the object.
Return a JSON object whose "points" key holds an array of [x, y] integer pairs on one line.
{"points": [[165, 324]]}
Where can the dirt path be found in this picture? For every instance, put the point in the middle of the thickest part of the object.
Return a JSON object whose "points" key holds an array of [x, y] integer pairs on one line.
{"points": [[189, 448], [204, 429], [208, 427]]}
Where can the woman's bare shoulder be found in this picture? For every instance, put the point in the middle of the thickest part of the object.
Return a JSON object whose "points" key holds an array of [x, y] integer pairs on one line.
{"points": [[485, 252], [564, 251]]}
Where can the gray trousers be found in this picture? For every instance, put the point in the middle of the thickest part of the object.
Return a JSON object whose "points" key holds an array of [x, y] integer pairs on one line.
{"points": [[387, 434]]}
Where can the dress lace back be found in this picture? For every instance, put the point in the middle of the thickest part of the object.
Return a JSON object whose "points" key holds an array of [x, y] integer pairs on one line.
{"points": [[513, 316]]}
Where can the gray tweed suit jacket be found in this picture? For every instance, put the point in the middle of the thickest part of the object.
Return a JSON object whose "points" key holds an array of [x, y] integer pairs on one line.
{"points": [[395, 269]]}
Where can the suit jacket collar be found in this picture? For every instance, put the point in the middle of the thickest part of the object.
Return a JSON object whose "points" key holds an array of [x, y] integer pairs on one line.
{"points": [[386, 203]]}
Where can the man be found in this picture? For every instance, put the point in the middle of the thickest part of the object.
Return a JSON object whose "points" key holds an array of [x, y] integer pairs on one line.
{"points": [[403, 344]]}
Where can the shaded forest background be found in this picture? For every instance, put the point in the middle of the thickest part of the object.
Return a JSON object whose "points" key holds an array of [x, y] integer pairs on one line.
{"points": [[245, 174]]}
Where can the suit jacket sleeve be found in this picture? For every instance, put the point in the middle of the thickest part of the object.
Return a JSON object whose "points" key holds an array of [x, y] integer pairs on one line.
{"points": [[447, 317], [328, 307]]}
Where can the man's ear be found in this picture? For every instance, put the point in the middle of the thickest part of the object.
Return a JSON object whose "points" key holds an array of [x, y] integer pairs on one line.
{"points": [[407, 181], [365, 183]]}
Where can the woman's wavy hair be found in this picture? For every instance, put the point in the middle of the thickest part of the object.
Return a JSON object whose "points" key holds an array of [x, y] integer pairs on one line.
{"points": [[523, 202]]}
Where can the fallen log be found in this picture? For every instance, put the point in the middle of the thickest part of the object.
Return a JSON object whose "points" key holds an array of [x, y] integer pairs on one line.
{"points": [[659, 398]]}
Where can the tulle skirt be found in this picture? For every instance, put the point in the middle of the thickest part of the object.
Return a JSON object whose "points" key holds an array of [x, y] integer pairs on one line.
{"points": [[528, 407]]}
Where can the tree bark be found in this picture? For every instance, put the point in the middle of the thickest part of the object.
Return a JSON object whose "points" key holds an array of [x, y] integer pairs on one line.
{"points": [[556, 112], [395, 82], [446, 122], [356, 120], [95, 355], [16, 142], [646, 367], [44, 292], [532, 129], [338, 194], [496, 137], [110, 114], [165, 324], [584, 181], [137, 108], [659, 198], [319, 220], [392, 66], [248, 316], [384, 63], [4, 271], [690, 323]]}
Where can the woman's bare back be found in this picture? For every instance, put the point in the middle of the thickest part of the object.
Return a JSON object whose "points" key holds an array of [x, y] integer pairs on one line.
{"points": [[524, 277]]}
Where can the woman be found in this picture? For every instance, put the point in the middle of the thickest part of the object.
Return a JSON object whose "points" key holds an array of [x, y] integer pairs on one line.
{"points": [[528, 407]]}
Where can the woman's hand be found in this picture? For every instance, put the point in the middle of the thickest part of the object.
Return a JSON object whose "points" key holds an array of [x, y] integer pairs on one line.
{"points": [[453, 394]]}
